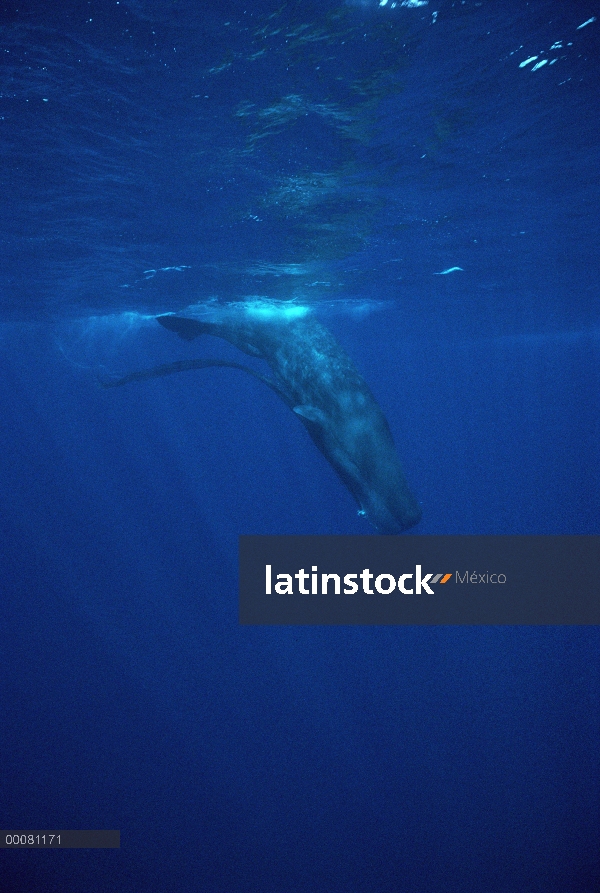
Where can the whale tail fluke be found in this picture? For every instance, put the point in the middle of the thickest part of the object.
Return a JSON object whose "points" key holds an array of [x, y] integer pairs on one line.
{"points": [[167, 369], [186, 366]]}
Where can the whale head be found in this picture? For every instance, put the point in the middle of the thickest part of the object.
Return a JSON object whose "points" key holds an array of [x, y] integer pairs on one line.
{"points": [[358, 443]]}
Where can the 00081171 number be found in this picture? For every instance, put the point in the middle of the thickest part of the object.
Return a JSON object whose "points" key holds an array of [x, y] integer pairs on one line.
{"points": [[32, 839]]}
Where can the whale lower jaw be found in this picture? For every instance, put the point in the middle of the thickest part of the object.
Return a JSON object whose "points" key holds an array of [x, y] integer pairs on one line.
{"points": [[386, 523], [383, 497]]}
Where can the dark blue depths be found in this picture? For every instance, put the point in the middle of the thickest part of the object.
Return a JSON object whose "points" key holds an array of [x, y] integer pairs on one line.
{"points": [[305, 759]]}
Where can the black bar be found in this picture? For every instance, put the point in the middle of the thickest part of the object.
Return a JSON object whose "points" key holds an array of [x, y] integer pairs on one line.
{"points": [[59, 840]]}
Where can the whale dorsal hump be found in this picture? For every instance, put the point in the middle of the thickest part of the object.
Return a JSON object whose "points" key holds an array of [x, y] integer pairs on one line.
{"points": [[188, 329]]}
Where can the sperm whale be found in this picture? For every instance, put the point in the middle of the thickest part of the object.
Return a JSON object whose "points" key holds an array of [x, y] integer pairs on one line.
{"points": [[317, 380]]}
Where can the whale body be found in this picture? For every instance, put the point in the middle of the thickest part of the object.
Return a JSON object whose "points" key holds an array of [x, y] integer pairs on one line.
{"points": [[316, 378]]}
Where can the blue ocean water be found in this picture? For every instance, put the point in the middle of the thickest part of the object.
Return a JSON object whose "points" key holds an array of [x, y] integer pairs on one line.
{"points": [[424, 178]]}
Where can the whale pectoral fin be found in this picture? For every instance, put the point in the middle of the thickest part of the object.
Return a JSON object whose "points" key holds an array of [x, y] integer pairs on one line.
{"points": [[188, 329], [312, 414]]}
